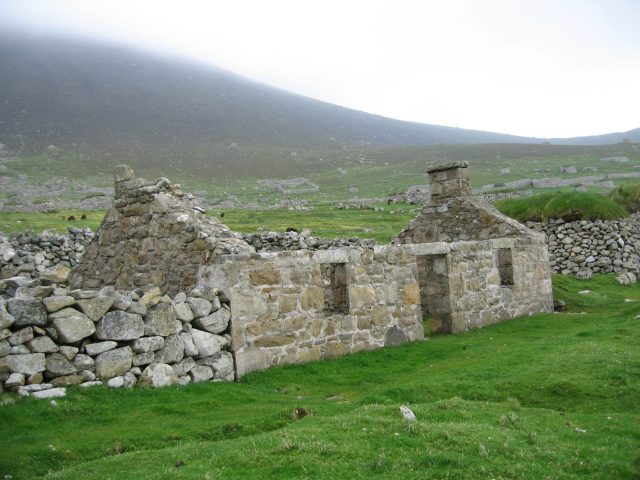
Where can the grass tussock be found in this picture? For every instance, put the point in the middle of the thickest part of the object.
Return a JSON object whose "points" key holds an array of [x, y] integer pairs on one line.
{"points": [[568, 206], [548, 396], [628, 196]]}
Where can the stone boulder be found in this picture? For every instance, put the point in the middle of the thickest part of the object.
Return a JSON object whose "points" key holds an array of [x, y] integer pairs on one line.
{"points": [[74, 328], [27, 311], [158, 375], [28, 364], [119, 325], [217, 322], [95, 308], [207, 343], [113, 363], [57, 366], [173, 350], [161, 320]]}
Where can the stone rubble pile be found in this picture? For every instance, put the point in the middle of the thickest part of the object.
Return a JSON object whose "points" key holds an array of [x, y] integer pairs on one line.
{"points": [[52, 337], [28, 253], [358, 205], [281, 241], [598, 246]]}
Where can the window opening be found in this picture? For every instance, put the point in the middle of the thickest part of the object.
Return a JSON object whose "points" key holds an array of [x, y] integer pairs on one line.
{"points": [[336, 295], [504, 260]]}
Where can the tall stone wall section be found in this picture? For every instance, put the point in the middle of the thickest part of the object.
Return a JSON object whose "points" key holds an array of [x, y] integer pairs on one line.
{"points": [[286, 307], [52, 337], [154, 235]]}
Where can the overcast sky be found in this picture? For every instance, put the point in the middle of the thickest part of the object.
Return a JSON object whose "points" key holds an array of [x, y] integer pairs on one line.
{"points": [[545, 68]]}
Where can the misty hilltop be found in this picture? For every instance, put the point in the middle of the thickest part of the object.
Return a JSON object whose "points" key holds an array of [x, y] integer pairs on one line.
{"points": [[65, 92]]}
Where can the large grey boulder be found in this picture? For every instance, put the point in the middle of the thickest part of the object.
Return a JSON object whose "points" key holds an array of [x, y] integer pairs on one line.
{"points": [[21, 336], [113, 363], [143, 359], [147, 344], [221, 364], [27, 311], [217, 322], [118, 325], [57, 274], [50, 393], [94, 349], [28, 364], [207, 343], [199, 306], [158, 375], [95, 308], [184, 366], [183, 312], [5, 348], [6, 319], [189, 347], [161, 320], [42, 344], [173, 350], [201, 373], [121, 301], [58, 302], [57, 365], [83, 362], [74, 328]]}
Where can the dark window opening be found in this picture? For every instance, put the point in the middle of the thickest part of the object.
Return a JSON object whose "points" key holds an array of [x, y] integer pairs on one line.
{"points": [[336, 294], [504, 260], [433, 279]]}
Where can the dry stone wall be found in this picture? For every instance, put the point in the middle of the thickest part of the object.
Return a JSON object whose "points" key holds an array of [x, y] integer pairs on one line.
{"points": [[29, 254], [52, 337], [597, 246], [154, 235]]}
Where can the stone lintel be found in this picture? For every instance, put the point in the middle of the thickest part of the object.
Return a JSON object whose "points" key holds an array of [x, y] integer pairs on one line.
{"points": [[439, 167]]}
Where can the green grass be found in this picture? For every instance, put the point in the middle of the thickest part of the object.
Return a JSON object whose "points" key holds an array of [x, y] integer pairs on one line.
{"points": [[325, 221], [550, 396], [11, 222], [566, 205], [628, 196]]}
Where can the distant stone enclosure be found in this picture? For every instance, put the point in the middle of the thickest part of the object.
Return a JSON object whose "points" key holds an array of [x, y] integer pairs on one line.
{"points": [[460, 264]]}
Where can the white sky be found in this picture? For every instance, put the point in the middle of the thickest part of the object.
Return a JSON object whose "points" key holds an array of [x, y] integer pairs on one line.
{"points": [[545, 68]]}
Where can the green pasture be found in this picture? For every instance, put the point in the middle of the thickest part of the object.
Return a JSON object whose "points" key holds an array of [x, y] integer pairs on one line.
{"points": [[553, 396]]}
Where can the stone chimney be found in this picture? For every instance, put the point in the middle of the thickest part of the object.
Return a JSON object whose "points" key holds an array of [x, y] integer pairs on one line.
{"points": [[448, 180]]}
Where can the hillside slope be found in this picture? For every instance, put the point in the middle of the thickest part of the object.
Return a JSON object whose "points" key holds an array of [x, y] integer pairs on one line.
{"points": [[66, 92]]}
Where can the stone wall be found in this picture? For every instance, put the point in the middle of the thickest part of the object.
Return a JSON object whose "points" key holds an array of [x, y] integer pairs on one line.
{"points": [[598, 246], [28, 254], [52, 337], [462, 285], [291, 307], [153, 236]]}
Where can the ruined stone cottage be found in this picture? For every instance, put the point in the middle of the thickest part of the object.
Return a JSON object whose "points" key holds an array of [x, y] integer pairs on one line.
{"points": [[459, 263]]}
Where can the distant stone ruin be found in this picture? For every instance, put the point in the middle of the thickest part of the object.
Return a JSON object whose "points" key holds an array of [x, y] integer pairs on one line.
{"points": [[289, 186]]}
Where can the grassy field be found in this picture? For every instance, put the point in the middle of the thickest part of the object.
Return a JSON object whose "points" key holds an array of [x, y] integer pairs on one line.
{"points": [[219, 174], [325, 221], [552, 396]]}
